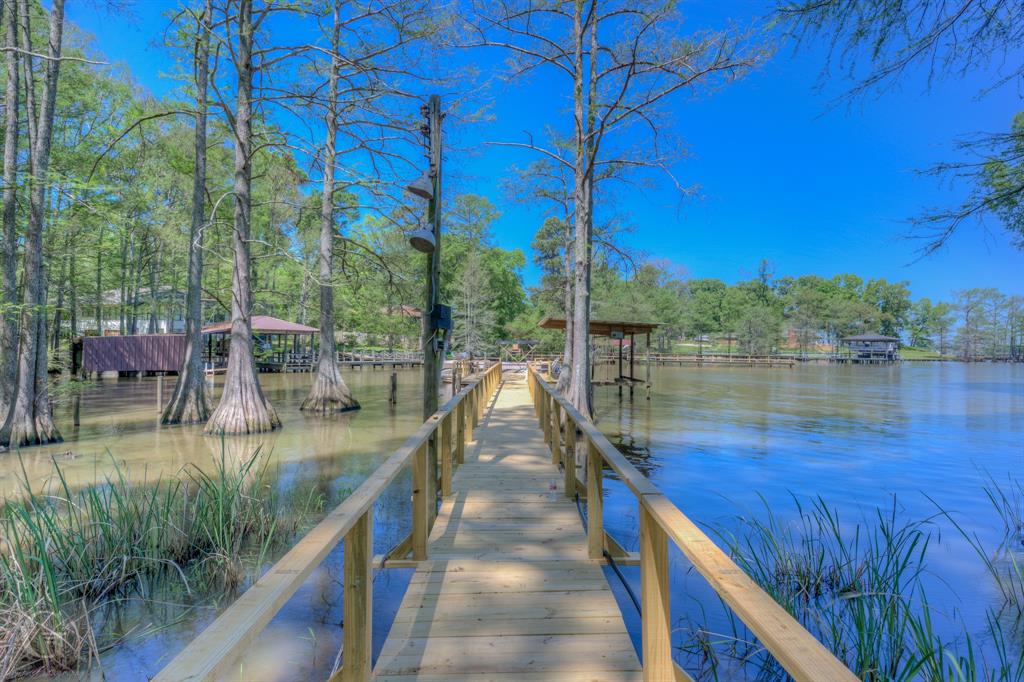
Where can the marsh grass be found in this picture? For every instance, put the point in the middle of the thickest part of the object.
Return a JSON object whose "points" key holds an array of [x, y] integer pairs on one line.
{"points": [[65, 554], [858, 588]]}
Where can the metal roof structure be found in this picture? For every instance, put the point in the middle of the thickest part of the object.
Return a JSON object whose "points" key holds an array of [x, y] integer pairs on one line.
{"points": [[603, 327], [264, 324], [870, 337]]}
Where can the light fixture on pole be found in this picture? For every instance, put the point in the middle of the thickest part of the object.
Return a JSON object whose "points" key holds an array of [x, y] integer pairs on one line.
{"points": [[423, 187], [423, 240]]}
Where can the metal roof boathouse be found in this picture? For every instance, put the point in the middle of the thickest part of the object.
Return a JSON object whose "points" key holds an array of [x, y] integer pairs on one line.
{"points": [[868, 349]]}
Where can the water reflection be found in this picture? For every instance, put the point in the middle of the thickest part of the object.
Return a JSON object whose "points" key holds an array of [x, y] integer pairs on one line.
{"points": [[718, 440]]}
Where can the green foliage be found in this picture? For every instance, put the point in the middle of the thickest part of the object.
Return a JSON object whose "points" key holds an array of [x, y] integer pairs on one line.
{"points": [[65, 552], [860, 589]]}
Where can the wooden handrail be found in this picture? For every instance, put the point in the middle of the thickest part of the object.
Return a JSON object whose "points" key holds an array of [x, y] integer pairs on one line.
{"points": [[792, 645], [219, 645]]}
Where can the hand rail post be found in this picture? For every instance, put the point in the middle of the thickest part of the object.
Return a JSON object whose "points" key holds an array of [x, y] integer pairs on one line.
{"points": [[444, 431], [545, 419], [556, 432], [569, 458], [656, 643], [469, 416], [460, 432], [358, 601], [420, 504], [595, 502]]}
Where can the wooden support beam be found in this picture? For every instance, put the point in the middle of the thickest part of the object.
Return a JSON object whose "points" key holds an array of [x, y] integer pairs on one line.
{"points": [[556, 435], [595, 502], [656, 644], [460, 434], [570, 458], [358, 601], [444, 431], [420, 504]]}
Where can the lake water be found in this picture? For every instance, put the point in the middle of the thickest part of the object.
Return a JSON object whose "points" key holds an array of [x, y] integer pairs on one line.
{"points": [[716, 440], [722, 442]]}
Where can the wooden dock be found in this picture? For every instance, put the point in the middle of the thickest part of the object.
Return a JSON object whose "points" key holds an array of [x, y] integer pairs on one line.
{"points": [[509, 591], [509, 584]]}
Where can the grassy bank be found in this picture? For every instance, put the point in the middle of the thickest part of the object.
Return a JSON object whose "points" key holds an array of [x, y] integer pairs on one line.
{"points": [[67, 553], [859, 588]]}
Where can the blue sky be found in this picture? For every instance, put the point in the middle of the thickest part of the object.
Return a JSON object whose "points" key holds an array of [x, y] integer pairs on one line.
{"points": [[782, 175]]}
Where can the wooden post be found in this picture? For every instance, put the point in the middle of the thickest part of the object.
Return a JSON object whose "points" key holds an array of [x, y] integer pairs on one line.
{"points": [[621, 341], [358, 601], [468, 402], [595, 502], [432, 358], [648, 363], [444, 431], [76, 409], [433, 473], [420, 504], [159, 392], [476, 405], [393, 397], [556, 435], [569, 458], [657, 645], [460, 435], [545, 416], [632, 364]]}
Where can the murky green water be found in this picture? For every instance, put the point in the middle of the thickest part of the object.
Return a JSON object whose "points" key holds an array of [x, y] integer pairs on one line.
{"points": [[120, 432], [719, 441]]}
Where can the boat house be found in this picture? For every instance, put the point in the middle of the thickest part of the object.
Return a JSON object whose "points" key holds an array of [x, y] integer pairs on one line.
{"points": [[279, 345], [868, 348]]}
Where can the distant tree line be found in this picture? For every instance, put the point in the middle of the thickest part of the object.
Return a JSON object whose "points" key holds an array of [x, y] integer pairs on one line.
{"points": [[766, 313]]}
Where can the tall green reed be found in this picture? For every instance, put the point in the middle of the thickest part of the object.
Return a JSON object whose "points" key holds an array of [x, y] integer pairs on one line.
{"points": [[66, 552], [859, 589]]}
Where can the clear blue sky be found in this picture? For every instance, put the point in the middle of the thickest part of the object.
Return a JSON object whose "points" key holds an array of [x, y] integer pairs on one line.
{"points": [[783, 176]]}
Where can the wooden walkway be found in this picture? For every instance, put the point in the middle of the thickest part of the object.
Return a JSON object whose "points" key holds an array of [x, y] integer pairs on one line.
{"points": [[508, 592]]}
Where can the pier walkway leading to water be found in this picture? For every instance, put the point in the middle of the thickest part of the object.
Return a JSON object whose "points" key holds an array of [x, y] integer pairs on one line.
{"points": [[509, 585], [509, 591]]}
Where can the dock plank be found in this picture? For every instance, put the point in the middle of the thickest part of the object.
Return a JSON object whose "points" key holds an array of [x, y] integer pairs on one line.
{"points": [[508, 591]]}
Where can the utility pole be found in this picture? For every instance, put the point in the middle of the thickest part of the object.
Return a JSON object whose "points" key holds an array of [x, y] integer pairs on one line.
{"points": [[433, 334], [434, 327]]}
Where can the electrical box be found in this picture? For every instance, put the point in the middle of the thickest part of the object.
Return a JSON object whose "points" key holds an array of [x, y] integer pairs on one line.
{"points": [[441, 317]]}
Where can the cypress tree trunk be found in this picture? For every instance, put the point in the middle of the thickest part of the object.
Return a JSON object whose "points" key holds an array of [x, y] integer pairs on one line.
{"points": [[566, 374], [29, 421], [189, 404], [99, 281], [9, 320], [329, 392], [579, 383], [243, 408]]}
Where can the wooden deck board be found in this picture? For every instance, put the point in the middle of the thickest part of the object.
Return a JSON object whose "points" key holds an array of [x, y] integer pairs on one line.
{"points": [[508, 592]]}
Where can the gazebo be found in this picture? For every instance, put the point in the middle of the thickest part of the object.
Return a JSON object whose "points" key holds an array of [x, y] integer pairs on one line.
{"points": [[618, 332], [279, 345]]}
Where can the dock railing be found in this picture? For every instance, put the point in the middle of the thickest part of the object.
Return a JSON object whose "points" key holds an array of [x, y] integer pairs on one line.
{"points": [[209, 655], [796, 649]]}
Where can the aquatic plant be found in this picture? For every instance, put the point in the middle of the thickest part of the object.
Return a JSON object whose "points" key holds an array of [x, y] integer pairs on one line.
{"points": [[857, 588], [65, 552]]}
